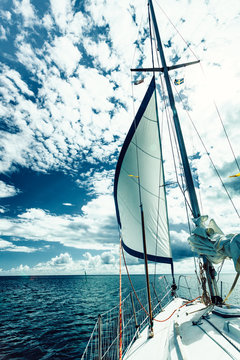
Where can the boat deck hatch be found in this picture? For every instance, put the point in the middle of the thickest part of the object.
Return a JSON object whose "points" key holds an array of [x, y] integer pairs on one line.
{"points": [[227, 311]]}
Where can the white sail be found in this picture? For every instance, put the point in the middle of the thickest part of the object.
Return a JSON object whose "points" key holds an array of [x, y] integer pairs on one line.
{"points": [[139, 180]]}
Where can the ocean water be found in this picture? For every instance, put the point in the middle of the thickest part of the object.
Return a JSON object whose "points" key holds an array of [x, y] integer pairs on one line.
{"points": [[52, 317]]}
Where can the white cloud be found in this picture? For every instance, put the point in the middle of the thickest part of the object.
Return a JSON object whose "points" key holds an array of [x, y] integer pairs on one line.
{"points": [[3, 33], [4, 244], [47, 21], [107, 263], [94, 229], [7, 190], [122, 30], [102, 264], [71, 118], [27, 56], [20, 270], [61, 260], [6, 15], [64, 54], [16, 79], [7, 246], [97, 183], [62, 13], [25, 8], [60, 120], [102, 54], [73, 99], [68, 21]]}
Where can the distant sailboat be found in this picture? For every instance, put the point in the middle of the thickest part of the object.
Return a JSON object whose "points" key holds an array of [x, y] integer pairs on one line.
{"points": [[181, 331]]}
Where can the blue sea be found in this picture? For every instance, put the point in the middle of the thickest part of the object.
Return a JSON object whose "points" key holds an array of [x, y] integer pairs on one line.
{"points": [[52, 317]]}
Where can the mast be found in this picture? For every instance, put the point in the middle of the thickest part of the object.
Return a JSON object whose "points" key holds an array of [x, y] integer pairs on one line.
{"points": [[186, 167], [185, 163]]}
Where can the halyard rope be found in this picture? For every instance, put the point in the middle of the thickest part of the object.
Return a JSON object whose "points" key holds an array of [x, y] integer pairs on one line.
{"points": [[205, 296], [188, 302], [120, 300], [233, 286]]}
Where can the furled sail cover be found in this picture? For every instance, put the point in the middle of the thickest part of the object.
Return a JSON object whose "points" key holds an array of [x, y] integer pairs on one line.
{"points": [[139, 179], [210, 241]]}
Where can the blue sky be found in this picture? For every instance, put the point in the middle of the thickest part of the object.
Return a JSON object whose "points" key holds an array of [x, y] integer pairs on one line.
{"points": [[65, 108]]}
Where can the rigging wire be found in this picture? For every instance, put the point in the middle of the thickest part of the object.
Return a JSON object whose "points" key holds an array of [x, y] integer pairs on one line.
{"points": [[210, 158], [220, 269], [168, 121], [187, 44], [161, 171], [134, 291], [214, 102], [181, 181], [151, 39], [138, 37], [217, 172], [182, 187], [168, 117], [151, 42]]}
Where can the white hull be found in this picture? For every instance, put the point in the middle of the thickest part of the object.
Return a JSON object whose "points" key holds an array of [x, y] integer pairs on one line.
{"points": [[178, 338]]}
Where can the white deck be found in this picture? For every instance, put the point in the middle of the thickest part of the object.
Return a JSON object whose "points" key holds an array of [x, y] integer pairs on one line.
{"points": [[178, 338]]}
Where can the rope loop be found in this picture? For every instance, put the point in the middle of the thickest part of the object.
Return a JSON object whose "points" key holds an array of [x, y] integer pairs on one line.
{"points": [[205, 295]]}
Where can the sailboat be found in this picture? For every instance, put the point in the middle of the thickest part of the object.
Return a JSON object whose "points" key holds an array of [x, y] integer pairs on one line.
{"points": [[181, 327]]}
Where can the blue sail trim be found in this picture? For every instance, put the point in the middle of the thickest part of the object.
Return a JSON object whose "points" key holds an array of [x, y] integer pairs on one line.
{"points": [[155, 258], [128, 139]]}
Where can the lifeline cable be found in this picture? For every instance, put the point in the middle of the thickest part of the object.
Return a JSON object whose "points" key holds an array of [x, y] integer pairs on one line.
{"points": [[129, 278], [188, 302]]}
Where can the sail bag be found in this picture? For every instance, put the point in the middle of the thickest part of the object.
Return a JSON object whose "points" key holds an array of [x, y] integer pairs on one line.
{"points": [[210, 241], [139, 182]]}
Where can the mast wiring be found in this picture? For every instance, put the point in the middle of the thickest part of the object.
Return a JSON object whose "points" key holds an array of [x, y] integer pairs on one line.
{"points": [[213, 100], [161, 171], [186, 303], [210, 158], [173, 137]]}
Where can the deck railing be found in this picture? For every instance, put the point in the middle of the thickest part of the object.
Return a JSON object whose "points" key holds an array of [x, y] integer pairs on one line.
{"points": [[104, 341]]}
